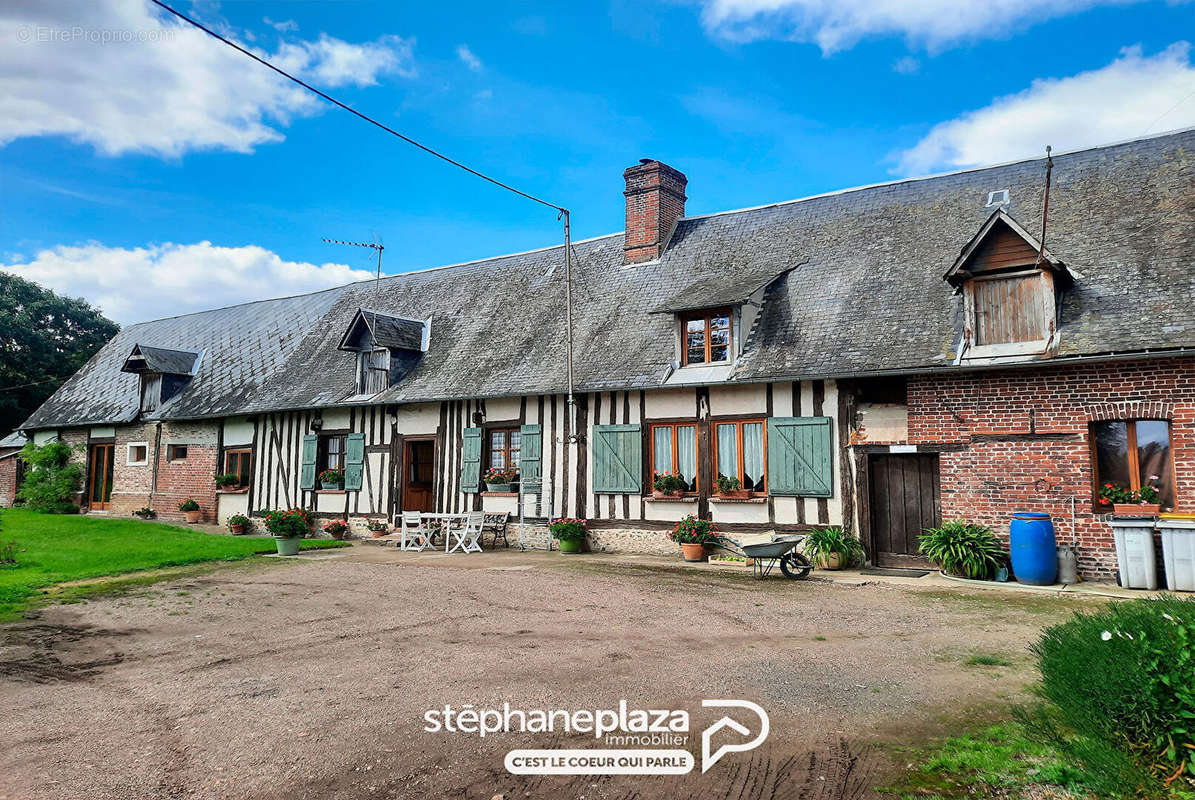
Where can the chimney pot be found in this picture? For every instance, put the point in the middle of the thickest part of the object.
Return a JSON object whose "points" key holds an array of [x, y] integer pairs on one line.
{"points": [[655, 200]]}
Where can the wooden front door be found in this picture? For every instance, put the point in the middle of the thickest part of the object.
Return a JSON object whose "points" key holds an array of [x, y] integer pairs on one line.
{"points": [[905, 501], [419, 469], [99, 483]]}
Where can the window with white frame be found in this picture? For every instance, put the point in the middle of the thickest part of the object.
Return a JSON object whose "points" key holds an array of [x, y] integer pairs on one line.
{"points": [[138, 454]]}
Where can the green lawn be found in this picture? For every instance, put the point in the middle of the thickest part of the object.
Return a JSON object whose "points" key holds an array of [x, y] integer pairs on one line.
{"points": [[53, 549]]}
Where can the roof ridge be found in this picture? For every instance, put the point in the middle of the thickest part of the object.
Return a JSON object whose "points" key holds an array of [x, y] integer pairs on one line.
{"points": [[235, 305]]}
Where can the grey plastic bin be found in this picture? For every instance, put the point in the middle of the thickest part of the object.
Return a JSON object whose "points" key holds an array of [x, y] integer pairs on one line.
{"points": [[1135, 553], [1178, 553]]}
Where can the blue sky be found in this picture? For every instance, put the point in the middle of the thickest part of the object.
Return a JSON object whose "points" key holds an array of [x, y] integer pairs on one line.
{"points": [[163, 173]]}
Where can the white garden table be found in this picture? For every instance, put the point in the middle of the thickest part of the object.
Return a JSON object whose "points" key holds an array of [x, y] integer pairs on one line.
{"points": [[450, 521]]}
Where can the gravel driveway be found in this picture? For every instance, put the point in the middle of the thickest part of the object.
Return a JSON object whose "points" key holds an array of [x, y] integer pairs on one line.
{"points": [[310, 678]]}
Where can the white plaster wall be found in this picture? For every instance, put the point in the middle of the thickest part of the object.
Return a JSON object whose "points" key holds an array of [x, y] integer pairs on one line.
{"points": [[502, 408], [237, 431], [418, 419], [884, 422], [335, 418], [727, 400], [752, 513], [496, 505], [666, 403], [668, 511], [330, 502], [103, 432], [229, 504]]}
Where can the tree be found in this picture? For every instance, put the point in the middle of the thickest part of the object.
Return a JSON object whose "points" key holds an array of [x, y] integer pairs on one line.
{"points": [[52, 479], [44, 339]]}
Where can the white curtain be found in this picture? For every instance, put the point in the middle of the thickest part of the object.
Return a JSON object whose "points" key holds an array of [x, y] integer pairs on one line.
{"points": [[728, 451], [662, 449], [753, 455], [686, 453]]}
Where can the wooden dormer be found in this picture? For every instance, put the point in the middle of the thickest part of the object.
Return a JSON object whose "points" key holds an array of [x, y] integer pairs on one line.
{"points": [[1010, 286]]}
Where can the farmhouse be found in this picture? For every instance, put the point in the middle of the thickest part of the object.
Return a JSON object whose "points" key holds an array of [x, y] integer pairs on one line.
{"points": [[879, 358]]}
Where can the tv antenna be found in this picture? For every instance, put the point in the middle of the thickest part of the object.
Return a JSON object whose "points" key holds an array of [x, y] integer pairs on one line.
{"points": [[377, 282]]}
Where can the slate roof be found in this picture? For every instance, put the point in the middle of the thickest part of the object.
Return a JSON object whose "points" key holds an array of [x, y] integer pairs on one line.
{"points": [[723, 289], [16, 439], [160, 359], [860, 292], [389, 331], [242, 345]]}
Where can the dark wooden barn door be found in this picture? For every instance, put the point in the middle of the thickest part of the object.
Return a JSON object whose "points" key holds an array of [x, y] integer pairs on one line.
{"points": [[419, 468], [904, 501], [100, 483]]}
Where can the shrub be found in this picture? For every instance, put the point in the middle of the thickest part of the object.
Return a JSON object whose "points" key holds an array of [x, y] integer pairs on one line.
{"points": [[228, 479], [692, 530], [1123, 679], [287, 524], [963, 549], [51, 480], [567, 529], [825, 541], [188, 505]]}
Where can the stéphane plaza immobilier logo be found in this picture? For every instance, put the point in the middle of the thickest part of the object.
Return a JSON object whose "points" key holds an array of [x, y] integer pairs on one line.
{"points": [[638, 741]]}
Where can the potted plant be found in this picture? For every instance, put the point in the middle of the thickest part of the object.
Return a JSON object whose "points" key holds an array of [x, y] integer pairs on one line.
{"points": [[287, 528], [229, 480], [145, 513], [731, 488], [1126, 503], [331, 479], [238, 524], [963, 549], [378, 528], [498, 479], [833, 548], [692, 534], [190, 510], [570, 533], [336, 528], [668, 484]]}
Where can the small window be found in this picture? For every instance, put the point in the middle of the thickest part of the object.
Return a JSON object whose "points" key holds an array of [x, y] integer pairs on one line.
{"points": [[238, 462], [373, 371], [1131, 454], [503, 448], [176, 452], [331, 452], [739, 452], [706, 337], [138, 454], [674, 450]]}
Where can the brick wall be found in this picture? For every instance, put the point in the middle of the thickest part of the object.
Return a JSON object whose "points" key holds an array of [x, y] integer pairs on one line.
{"points": [[131, 483], [8, 478], [192, 477], [1025, 437]]}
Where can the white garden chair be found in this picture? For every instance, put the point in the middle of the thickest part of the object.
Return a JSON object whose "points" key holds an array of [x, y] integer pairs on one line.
{"points": [[414, 535], [466, 539]]}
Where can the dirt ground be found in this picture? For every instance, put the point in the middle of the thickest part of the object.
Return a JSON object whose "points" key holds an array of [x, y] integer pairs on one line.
{"points": [[309, 678]]}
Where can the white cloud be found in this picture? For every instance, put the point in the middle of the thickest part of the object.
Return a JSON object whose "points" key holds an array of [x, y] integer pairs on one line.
{"points": [[282, 26], [1133, 95], [838, 24], [907, 66], [469, 58], [133, 285], [113, 74]]}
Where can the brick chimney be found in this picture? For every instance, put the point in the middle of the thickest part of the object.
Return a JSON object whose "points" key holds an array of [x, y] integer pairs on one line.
{"points": [[655, 201]]}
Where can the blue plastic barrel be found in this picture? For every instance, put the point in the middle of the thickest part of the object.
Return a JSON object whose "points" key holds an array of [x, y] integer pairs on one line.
{"points": [[1032, 548]]}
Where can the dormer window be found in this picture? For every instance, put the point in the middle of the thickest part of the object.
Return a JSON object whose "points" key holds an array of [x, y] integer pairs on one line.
{"points": [[164, 373], [387, 347], [1010, 286], [706, 337]]}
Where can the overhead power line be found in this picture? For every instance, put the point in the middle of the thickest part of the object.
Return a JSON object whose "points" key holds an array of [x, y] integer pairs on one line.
{"points": [[355, 112]]}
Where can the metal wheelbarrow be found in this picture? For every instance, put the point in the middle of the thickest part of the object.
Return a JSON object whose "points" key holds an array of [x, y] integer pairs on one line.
{"points": [[765, 556]]}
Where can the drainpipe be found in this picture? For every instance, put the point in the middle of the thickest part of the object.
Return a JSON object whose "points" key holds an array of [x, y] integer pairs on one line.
{"points": [[157, 453]]}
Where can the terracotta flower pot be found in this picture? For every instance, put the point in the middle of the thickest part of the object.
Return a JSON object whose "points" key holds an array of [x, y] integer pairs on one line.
{"points": [[1136, 509], [192, 516], [736, 494], [377, 534], [692, 551], [829, 561], [657, 494], [237, 530]]}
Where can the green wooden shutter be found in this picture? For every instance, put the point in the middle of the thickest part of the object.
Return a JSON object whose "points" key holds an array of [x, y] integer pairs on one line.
{"points": [[531, 448], [307, 474], [354, 461], [617, 459], [471, 460], [800, 457]]}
